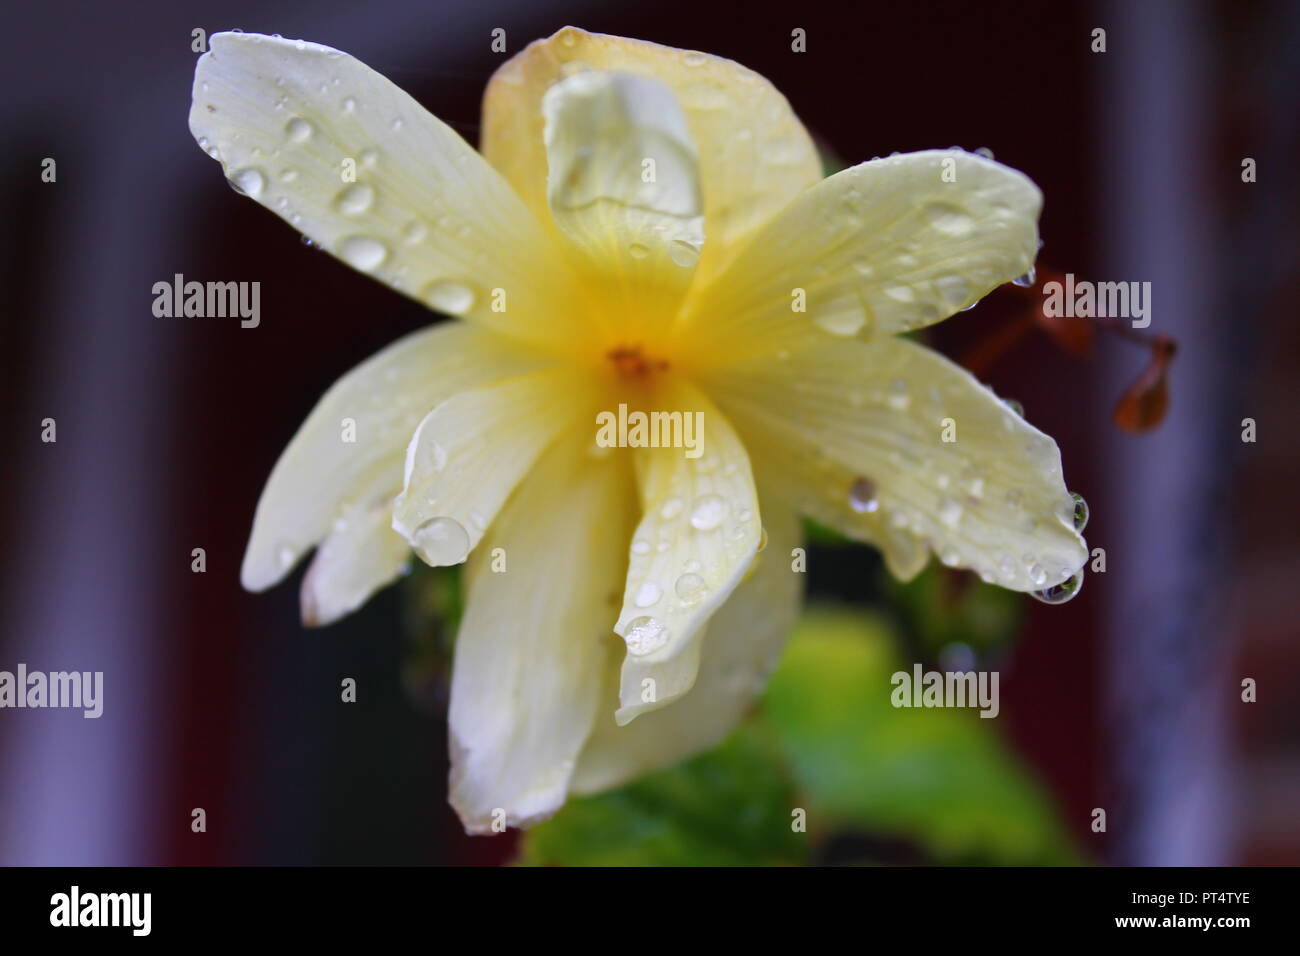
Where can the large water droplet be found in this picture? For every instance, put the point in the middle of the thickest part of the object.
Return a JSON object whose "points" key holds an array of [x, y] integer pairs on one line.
{"points": [[948, 219], [1026, 280], [440, 542], [1081, 512], [842, 322], [248, 182], [645, 635], [447, 295], [363, 252], [1065, 591], [355, 199], [689, 587], [862, 496], [685, 254], [1037, 575], [298, 130], [638, 251], [708, 512], [648, 595]]}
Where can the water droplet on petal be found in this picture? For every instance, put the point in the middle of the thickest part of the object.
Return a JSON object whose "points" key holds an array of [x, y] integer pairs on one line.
{"points": [[440, 542], [694, 58], [1037, 575], [445, 295], [648, 595], [708, 512], [862, 496], [949, 512], [685, 254], [1081, 512], [645, 635], [349, 105], [689, 587], [247, 182], [898, 398], [363, 252], [1065, 591], [948, 219], [298, 130], [640, 546], [1015, 406], [842, 322], [415, 231], [671, 509], [638, 251], [355, 199], [1026, 280]]}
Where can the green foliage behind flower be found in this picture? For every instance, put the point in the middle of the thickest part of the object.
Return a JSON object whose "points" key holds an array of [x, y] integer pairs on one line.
{"points": [[827, 741]]}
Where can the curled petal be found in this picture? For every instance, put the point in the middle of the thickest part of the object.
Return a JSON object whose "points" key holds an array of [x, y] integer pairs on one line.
{"points": [[350, 448], [699, 531], [739, 651], [754, 154]]}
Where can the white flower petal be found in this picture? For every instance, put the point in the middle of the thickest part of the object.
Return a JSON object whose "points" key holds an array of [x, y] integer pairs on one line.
{"points": [[531, 646], [739, 652], [696, 539], [357, 165], [993, 499], [754, 154], [887, 246], [361, 555], [470, 452], [624, 187], [378, 404]]}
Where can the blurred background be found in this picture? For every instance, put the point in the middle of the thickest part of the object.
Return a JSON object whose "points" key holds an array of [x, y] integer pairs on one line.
{"points": [[1127, 699]]}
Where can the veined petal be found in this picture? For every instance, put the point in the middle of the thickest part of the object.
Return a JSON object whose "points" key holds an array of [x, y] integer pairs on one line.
{"points": [[470, 452], [357, 165], [354, 439], [754, 154], [623, 186], [360, 555], [887, 246], [696, 539], [934, 453], [739, 652], [531, 646]]}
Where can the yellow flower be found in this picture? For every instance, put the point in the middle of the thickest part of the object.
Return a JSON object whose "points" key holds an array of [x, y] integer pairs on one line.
{"points": [[647, 228]]}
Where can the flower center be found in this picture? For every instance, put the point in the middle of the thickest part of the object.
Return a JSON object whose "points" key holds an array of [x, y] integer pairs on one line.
{"points": [[631, 363]]}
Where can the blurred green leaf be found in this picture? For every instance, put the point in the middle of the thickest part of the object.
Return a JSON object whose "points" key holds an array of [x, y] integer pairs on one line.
{"points": [[941, 607], [941, 777], [729, 807]]}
